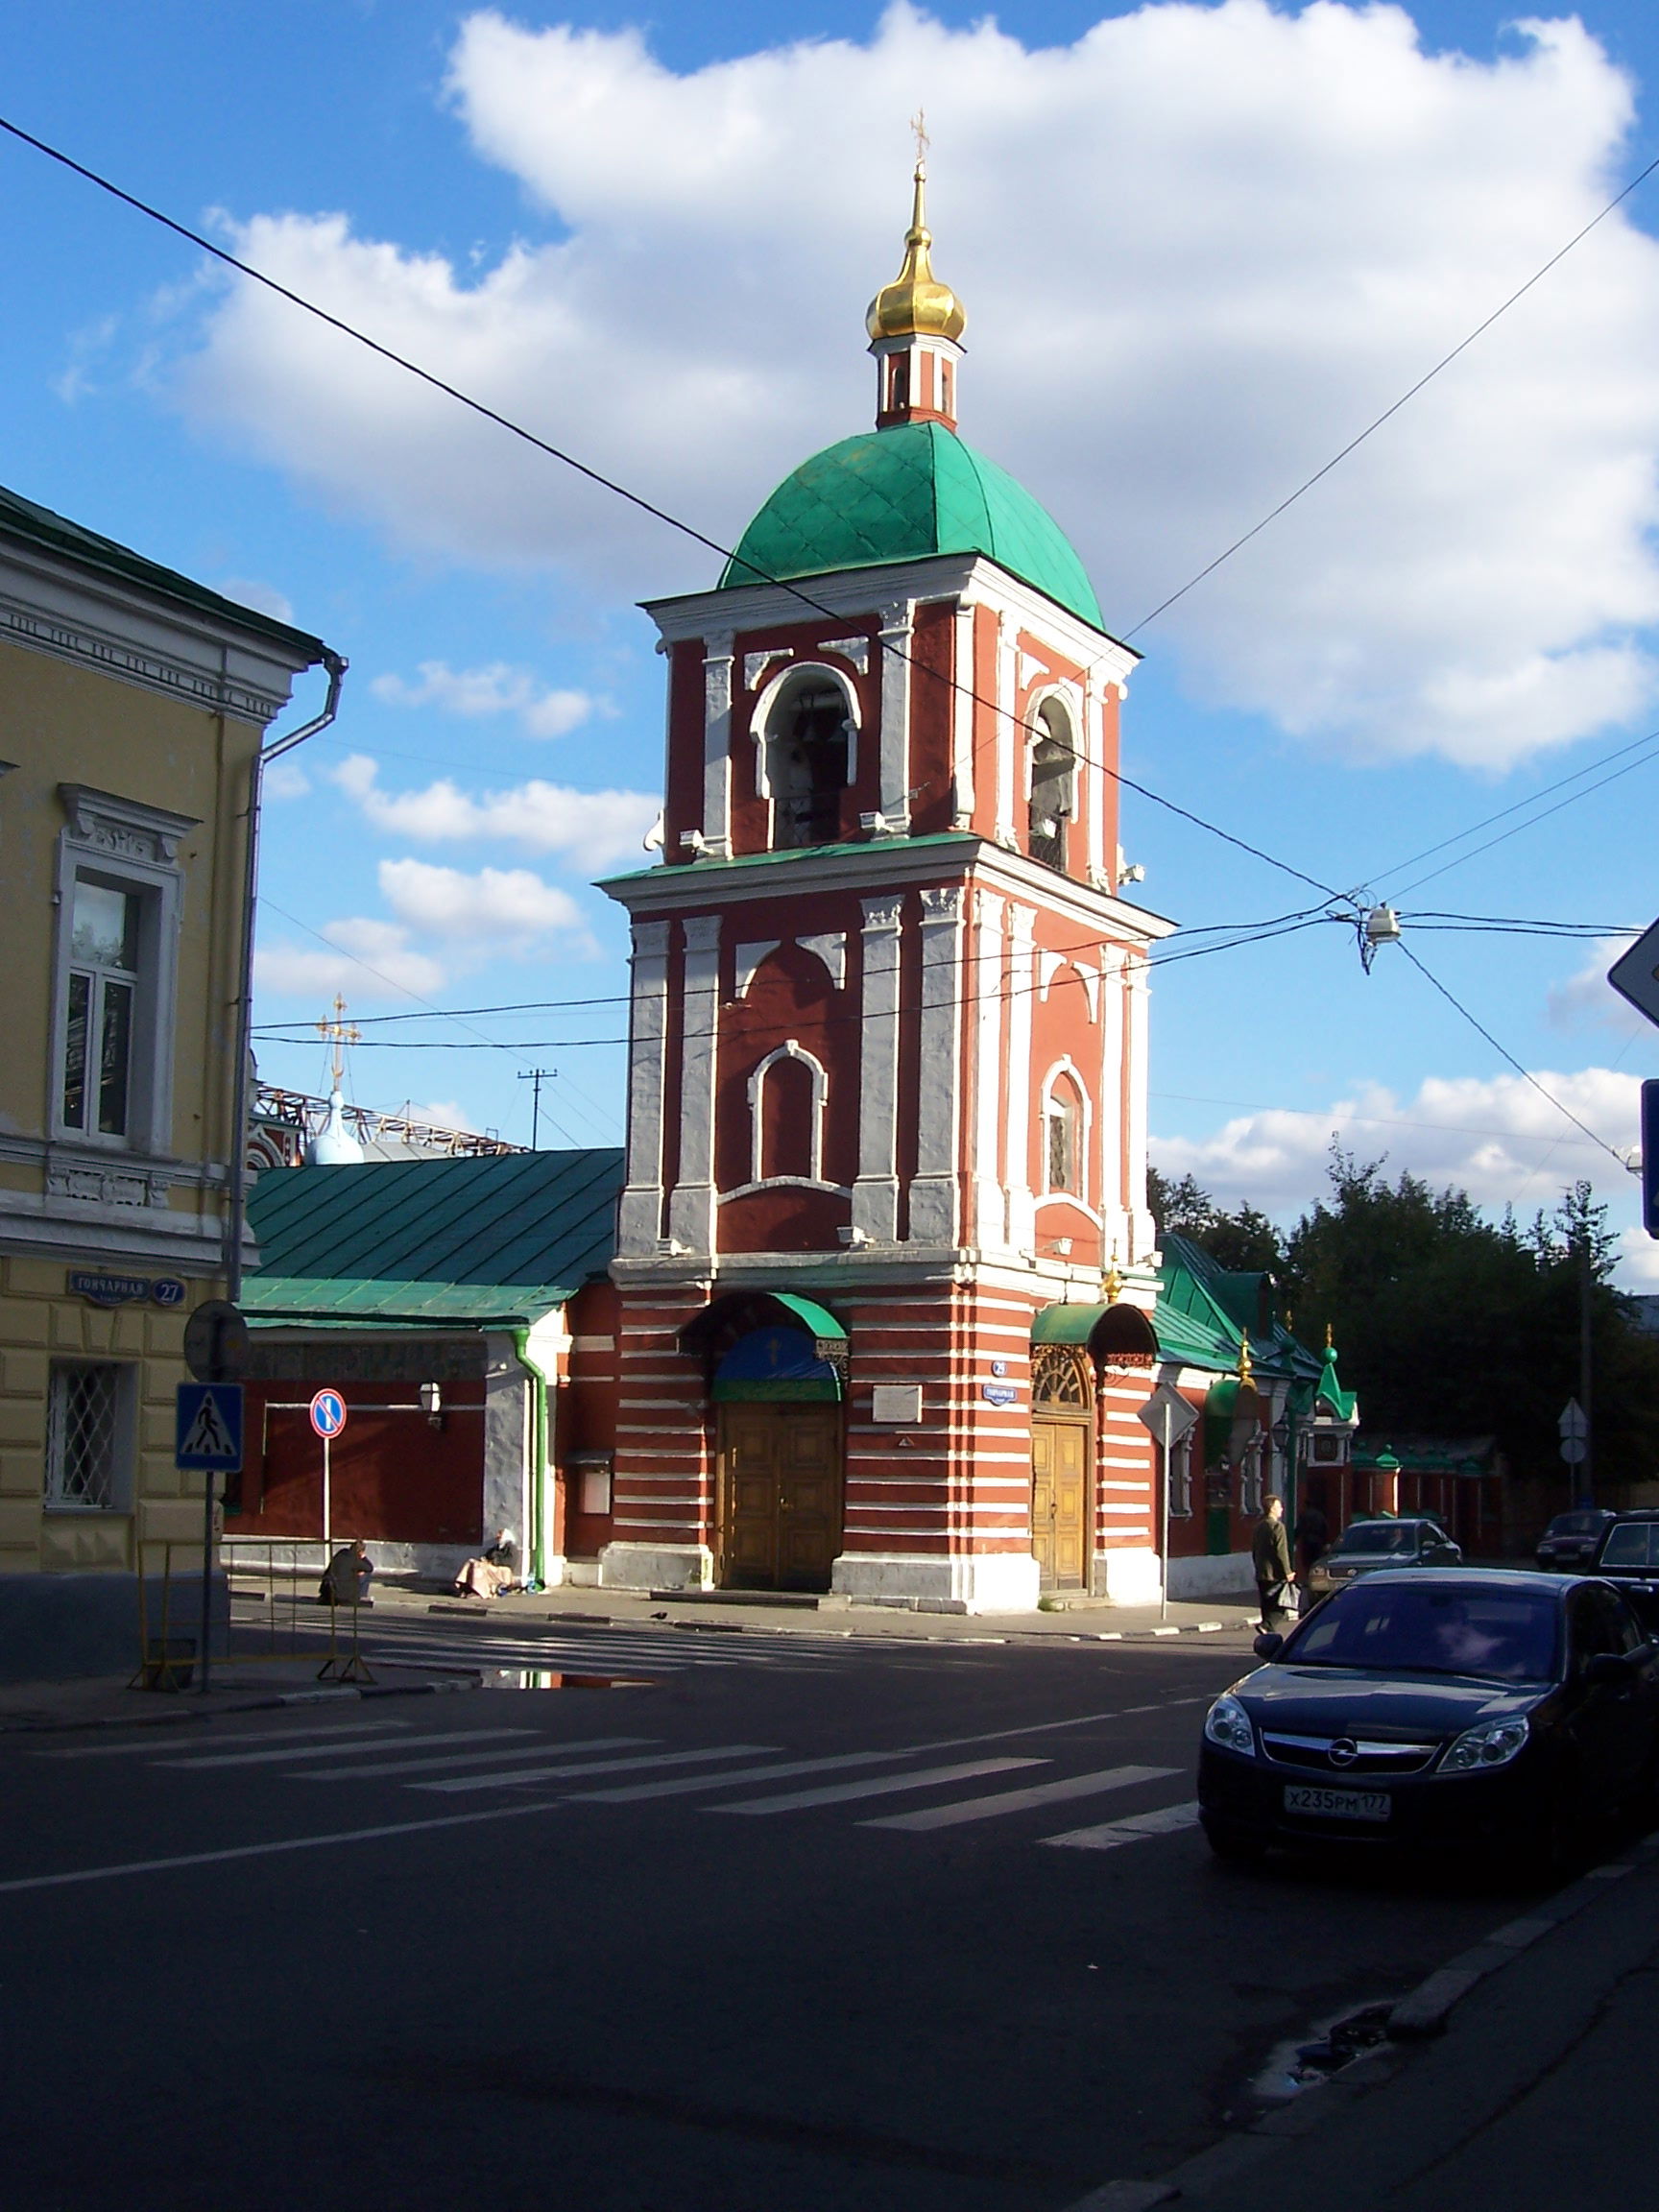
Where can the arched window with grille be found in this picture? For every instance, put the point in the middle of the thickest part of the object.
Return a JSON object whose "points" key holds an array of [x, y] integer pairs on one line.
{"points": [[1063, 1126]]}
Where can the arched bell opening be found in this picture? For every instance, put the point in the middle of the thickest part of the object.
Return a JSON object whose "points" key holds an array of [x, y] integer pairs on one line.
{"points": [[1062, 1466]]}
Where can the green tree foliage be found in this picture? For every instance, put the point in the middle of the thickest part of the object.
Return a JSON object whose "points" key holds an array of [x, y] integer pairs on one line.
{"points": [[1446, 1323]]}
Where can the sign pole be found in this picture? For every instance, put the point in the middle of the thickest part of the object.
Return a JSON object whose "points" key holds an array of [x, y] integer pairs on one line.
{"points": [[207, 1577], [1163, 1533], [328, 1505]]}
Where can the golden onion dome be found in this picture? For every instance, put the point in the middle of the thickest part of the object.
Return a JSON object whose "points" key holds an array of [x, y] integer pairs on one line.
{"points": [[916, 302]]}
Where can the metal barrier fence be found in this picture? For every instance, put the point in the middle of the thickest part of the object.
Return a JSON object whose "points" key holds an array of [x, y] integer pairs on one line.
{"points": [[277, 1563]]}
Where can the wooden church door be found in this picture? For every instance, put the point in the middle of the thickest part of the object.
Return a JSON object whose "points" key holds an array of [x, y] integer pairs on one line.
{"points": [[1061, 1491], [781, 1496]]}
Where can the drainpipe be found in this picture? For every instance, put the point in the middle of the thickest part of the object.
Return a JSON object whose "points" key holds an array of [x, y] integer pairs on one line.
{"points": [[537, 1459], [236, 1211]]}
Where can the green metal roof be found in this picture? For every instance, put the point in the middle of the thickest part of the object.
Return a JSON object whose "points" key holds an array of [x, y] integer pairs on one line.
{"points": [[902, 494], [470, 1242], [1196, 1319], [786, 857], [817, 1319], [22, 519]]}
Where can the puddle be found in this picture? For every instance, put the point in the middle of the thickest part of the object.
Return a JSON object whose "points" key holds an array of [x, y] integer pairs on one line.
{"points": [[546, 1678], [1305, 2061]]}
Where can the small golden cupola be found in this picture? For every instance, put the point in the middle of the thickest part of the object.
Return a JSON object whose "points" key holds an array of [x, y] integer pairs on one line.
{"points": [[914, 325]]}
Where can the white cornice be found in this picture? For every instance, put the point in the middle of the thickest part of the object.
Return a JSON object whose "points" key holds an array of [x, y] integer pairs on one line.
{"points": [[971, 578], [53, 604], [888, 863]]}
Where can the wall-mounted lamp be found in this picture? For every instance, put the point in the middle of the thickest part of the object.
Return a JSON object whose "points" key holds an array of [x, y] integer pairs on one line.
{"points": [[1063, 1247], [432, 1405], [853, 1238]]}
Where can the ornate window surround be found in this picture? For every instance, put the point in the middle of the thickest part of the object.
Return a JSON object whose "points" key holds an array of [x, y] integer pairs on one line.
{"points": [[758, 1180], [1065, 1070], [133, 847]]}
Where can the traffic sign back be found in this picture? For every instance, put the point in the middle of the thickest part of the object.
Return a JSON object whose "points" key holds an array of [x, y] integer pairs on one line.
{"points": [[207, 1430], [1635, 974]]}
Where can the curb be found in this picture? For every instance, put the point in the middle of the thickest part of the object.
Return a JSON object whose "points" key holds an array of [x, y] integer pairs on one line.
{"points": [[460, 1678], [1421, 2014]]}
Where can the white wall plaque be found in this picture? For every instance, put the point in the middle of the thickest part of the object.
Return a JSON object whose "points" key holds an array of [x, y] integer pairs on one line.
{"points": [[895, 1404]]}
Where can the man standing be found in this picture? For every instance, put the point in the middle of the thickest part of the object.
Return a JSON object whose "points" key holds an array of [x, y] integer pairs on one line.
{"points": [[1270, 1555]]}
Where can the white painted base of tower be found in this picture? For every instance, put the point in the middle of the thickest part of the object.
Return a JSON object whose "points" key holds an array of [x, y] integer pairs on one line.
{"points": [[973, 1582], [1128, 1574], [657, 1567], [1223, 1574]]}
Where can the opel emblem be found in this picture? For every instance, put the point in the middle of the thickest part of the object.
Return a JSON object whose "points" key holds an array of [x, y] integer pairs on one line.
{"points": [[1344, 1751]]}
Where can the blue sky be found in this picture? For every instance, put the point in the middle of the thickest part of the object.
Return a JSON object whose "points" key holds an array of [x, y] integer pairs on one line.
{"points": [[1200, 248]]}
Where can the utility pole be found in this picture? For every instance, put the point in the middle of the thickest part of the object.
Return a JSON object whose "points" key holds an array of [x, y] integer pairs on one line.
{"points": [[537, 1077], [1587, 1467]]}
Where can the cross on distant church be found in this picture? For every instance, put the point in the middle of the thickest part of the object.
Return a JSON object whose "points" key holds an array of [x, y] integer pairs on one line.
{"points": [[919, 124], [339, 1033]]}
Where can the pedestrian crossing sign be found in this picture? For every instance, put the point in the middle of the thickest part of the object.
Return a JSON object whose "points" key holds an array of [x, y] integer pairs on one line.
{"points": [[209, 1430]]}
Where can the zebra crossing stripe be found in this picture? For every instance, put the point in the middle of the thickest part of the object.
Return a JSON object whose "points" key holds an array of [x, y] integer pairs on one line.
{"points": [[469, 1758], [292, 1751], [1022, 1800], [526, 1776], [683, 1784], [1167, 1820], [883, 1786], [310, 1730]]}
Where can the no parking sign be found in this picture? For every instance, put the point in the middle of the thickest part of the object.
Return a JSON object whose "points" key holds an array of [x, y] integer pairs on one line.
{"points": [[327, 1413]]}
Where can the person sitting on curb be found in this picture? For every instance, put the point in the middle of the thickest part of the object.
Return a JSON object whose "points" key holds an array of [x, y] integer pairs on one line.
{"points": [[496, 1570], [346, 1578]]}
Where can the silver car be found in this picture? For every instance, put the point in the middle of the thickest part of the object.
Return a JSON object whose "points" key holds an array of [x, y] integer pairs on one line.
{"points": [[1365, 1545]]}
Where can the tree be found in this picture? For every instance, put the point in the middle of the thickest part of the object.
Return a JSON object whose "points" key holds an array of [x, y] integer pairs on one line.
{"points": [[1246, 1242]]}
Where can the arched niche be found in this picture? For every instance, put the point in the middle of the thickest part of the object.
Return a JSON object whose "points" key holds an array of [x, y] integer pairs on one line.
{"points": [[805, 730]]}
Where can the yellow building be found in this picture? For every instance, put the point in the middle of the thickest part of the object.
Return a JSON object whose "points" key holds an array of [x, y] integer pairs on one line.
{"points": [[133, 707]]}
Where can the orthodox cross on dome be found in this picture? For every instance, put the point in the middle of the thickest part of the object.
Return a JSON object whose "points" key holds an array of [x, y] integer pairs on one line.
{"points": [[915, 324], [339, 1033]]}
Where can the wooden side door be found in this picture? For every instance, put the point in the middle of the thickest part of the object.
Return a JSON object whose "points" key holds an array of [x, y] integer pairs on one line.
{"points": [[1071, 1495], [808, 1467], [1043, 1500], [749, 1497]]}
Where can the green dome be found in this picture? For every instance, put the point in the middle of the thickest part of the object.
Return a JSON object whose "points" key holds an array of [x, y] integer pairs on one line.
{"points": [[902, 494]]}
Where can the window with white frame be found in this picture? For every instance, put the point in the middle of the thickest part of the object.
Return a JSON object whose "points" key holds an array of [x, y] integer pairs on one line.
{"points": [[98, 1022], [1063, 1134], [85, 1440], [119, 887], [1181, 1479], [1250, 1477]]}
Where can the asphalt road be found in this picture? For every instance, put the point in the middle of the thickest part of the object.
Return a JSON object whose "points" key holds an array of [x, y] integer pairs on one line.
{"points": [[798, 1925]]}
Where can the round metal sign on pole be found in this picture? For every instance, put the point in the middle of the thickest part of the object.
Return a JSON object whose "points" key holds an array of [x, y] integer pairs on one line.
{"points": [[216, 1342], [327, 1413], [1574, 1450]]}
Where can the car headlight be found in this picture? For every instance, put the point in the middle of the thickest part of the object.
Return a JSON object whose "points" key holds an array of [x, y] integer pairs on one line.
{"points": [[1228, 1724], [1492, 1744]]}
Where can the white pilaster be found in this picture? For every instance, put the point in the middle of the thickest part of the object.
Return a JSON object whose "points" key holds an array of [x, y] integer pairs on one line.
{"points": [[895, 636], [939, 1075], [639, 1217], [1007, 739], [1115, 1081], [717, 743], [1094, 777], [876, 1193], [1142, 1235], [1022, 993], [692, 1206], [990, 1196], [962, 718]]}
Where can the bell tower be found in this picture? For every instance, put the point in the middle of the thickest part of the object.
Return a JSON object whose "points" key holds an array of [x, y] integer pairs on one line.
{"points": [[888, 1031]]}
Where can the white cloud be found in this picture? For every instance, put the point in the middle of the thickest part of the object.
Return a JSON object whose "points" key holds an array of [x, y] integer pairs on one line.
{"points": [[1588, 997], [507, 909], [599, 826], [285, 779], [1496, 1138], [436, 1113], [263, 598], [494, 690], [1201, 248], [367, 960]]}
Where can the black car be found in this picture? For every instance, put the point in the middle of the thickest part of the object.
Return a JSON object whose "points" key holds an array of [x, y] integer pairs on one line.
{"points": [[1365, 1547], [1628, 1556], [1571, 1539], [1503, 1712]]}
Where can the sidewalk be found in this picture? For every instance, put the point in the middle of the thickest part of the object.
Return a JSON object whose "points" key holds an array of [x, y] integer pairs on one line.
{"points": [[1073, 1621], [1535, 2096], [245, 1686]]}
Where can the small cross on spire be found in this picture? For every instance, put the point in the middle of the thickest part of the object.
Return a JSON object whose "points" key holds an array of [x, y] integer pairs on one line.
{"points": [[919, 124]]}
